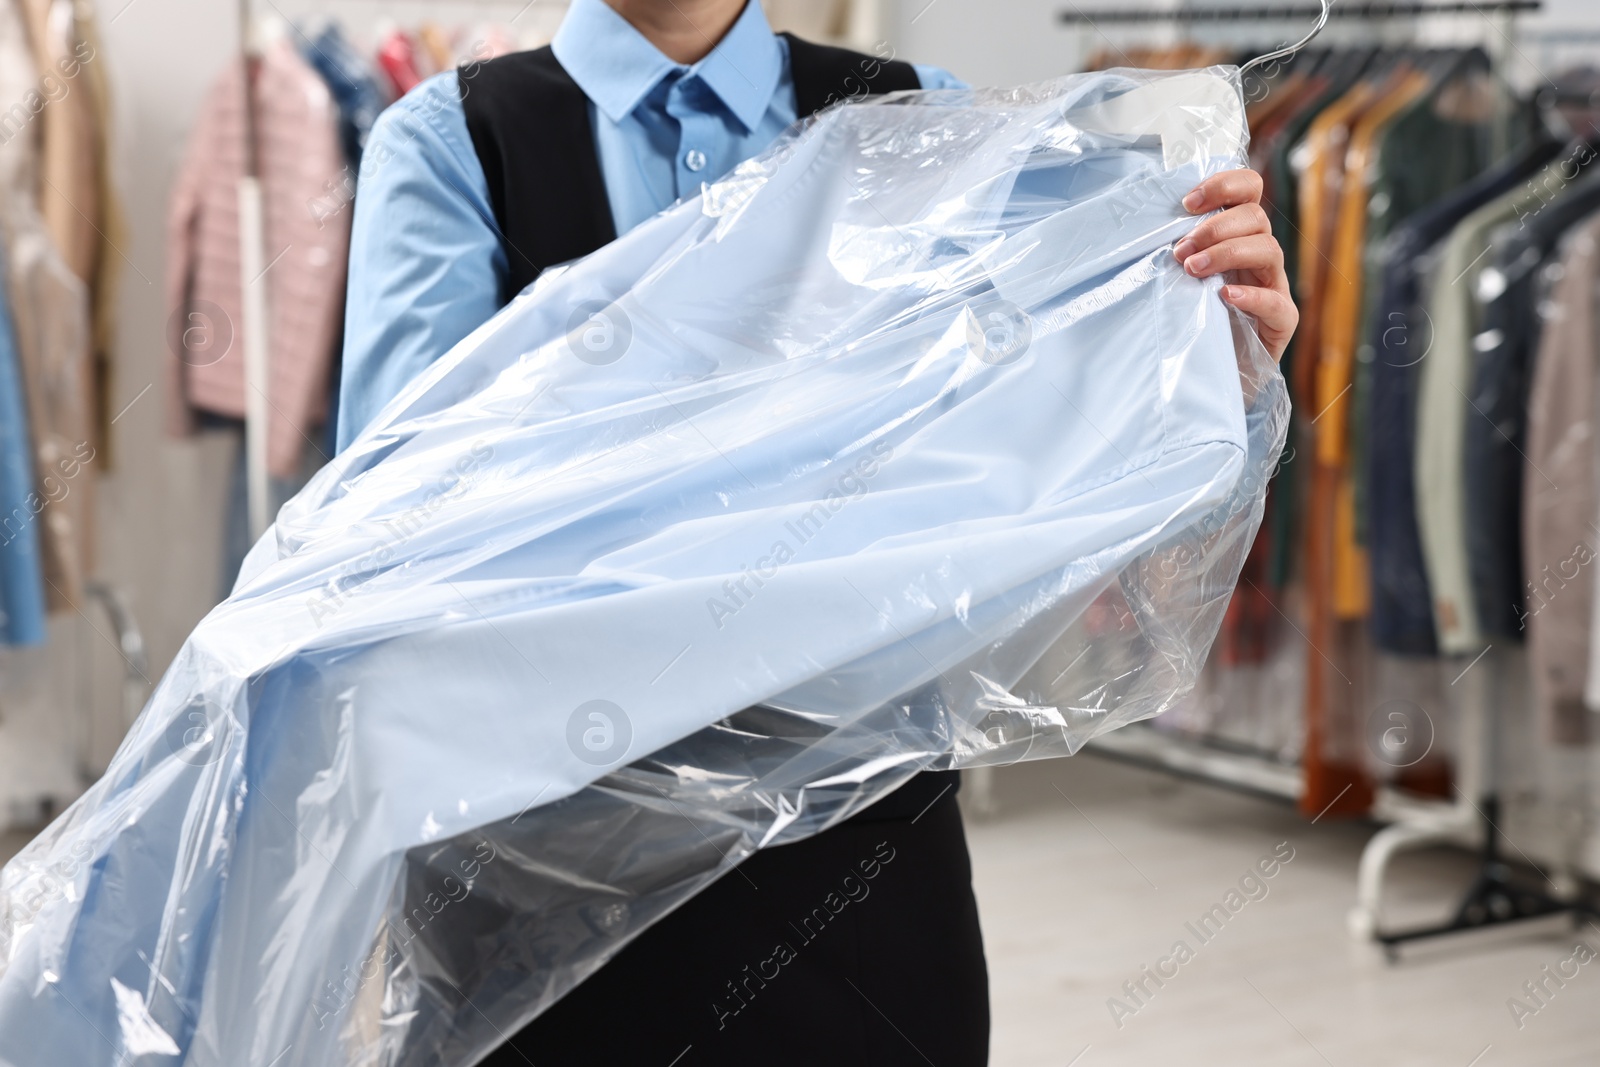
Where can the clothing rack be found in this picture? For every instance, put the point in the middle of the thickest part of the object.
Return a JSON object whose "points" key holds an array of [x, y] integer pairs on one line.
{"points": [[1295, 12], [1472, 819]]}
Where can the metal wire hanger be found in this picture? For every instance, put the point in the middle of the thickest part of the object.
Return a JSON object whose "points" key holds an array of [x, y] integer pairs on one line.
{"points": [[1284, 53]]}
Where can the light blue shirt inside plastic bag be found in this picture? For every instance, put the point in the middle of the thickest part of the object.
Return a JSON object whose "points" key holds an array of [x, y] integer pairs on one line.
{"points": [[911, 430]]}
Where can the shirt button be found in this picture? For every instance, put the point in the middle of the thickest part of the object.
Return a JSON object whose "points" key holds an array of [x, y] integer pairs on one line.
{"points": [[695, 160]]}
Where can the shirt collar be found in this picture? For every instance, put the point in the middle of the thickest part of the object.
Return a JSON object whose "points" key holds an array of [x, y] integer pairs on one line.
{"points": [[616, 66]]}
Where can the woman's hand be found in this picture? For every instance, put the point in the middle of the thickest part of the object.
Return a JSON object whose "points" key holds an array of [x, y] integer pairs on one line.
{"points": [[1239, 239]]}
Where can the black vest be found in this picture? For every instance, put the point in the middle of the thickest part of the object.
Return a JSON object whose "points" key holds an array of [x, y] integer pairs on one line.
{"points": [[529, 122]]}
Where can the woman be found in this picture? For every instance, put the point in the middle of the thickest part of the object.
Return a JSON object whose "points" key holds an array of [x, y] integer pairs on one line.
{"points": [[481, 178]]}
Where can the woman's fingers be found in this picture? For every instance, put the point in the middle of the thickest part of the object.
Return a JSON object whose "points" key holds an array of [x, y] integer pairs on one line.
{"points": [[1243, 221], [1266, 304], [1275, 314], [1259, 253], [1228, 189], [1238, 240]]}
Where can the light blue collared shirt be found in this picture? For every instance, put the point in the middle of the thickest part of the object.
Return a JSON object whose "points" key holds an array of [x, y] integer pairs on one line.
{"points": [[426, 263]]}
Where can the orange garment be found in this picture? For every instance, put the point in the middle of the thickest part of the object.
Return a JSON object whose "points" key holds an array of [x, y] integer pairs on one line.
{"points": [[1351, 589], [436, 49], [1319, 160], [1342, 292], [1336, 779], [1166, 57]]}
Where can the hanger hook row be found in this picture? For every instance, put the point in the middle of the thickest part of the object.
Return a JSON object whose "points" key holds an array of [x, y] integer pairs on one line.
{"points": [[1284, 53]]}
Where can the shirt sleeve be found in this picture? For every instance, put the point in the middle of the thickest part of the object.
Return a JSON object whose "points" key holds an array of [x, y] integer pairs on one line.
{"points": [[937, 78], [426, 263]]}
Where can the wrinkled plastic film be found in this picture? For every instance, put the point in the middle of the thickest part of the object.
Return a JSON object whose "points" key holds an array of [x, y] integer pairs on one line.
{"points": [[907, 445]]}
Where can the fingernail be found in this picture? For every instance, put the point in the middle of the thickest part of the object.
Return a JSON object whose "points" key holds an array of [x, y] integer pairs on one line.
{"points": [[1197, 263], [1230, 293], [1185, 248], [1194, 200]]}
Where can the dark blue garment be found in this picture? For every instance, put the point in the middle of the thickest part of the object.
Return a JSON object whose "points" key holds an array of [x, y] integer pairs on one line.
{"points": [[1496, 428], [1402, 603], [22, 610], [352, 83]]}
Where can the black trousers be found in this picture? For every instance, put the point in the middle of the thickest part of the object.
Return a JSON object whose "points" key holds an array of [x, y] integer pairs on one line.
{"points": [[858, 946]]}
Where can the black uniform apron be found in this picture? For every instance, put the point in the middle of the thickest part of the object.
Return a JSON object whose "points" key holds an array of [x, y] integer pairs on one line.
{"points": [[798, 957]]}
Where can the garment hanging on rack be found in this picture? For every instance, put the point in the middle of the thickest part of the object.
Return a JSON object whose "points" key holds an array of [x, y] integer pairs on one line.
{"points": [[22, 601], [1402, 337], [1278, 141], [1417, 145], [1413, 149], [1416, 380], [300, 160], [105, 282], [436, 52], [354, 85], [1344, 291], [69, 194], [1442, 141], [1560, 545], [76, 196], [361, 98], [1186, 56], [50, 316], [1363, 142], [397, 56], [1503, 352], [1336, 778], [1446, 380]]}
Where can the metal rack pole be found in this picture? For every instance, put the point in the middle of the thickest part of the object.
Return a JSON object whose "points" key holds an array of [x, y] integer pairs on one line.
{"points": [[253, 292], [1293, 12]]}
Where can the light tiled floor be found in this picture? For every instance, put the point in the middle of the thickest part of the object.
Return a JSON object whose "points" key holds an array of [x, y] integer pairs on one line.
{"points": [[1078, 894]]}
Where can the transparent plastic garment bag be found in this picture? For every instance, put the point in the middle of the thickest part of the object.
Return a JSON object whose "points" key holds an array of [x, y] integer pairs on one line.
{"points": [[907, 445]]}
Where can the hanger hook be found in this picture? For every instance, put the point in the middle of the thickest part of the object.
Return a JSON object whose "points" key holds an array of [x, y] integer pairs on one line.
{"points": [[1284, 53]]}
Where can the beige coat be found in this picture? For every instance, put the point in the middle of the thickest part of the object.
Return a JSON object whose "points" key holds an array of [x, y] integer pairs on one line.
{"points": [[50, 305], [1559, 500], [75, 191]]}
